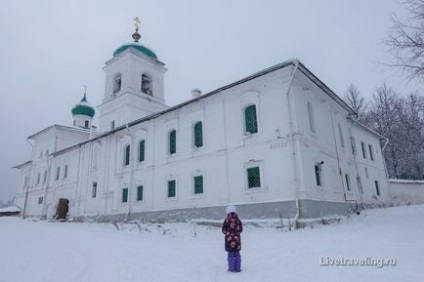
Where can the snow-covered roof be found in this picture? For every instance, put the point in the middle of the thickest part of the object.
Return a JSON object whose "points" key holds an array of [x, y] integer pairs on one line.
{"points": [[60, 127], [22, 165], [10, 209]]}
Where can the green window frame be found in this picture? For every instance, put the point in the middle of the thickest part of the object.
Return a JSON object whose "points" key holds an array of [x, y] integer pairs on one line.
{"points": [[140, 193], [198, 134], [172, 189], [253, 177], [172, 142], [125, 195], [198, 184], [127, 151], [141, 151], [250, 119]]}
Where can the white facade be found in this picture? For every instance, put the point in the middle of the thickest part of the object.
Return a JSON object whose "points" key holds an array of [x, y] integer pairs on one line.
{"points": [[303, 159]]}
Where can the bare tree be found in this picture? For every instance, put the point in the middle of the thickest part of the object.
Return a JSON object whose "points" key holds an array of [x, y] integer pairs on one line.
{"points": [[383, 117], [357, 102], [411, 121], [406, 40]]}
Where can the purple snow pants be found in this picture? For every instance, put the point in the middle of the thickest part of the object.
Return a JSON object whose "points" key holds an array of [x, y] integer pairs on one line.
{"points": [[234, 261]]}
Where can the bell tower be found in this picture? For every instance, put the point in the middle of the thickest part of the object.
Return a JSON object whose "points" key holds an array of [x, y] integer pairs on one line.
{"points": [[134, 84]]}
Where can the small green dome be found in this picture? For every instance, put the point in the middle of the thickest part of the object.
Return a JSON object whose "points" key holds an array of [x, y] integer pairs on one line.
{"points": [[83, 108], [136, 46]]}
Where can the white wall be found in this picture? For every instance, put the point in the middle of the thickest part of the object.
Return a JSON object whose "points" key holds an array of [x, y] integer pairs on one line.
{"points": [[407, 191], [226, 154]]}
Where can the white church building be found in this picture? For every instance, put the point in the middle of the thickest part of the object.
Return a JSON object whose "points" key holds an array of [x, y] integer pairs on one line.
{"points": [[278, 143]]}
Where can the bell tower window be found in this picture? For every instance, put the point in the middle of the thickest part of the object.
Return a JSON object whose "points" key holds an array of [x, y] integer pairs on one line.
{"points": [[117, 83], [146, 84]]}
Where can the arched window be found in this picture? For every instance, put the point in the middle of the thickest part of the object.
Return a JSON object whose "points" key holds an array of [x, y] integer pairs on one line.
{"points": [[127, 150], [117, 83], [250, 119], [172, 141], [146, 84], [198, 134]]}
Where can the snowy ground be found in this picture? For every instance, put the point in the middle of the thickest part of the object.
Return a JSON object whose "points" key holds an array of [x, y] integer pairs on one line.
{"points": [[42, 251]]}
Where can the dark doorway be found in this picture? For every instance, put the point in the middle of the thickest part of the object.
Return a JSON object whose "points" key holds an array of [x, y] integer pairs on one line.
{"points": [[62, 209]]}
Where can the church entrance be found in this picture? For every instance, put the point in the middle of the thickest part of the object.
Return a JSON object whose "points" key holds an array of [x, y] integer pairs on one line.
{"points": [[62, 209]]}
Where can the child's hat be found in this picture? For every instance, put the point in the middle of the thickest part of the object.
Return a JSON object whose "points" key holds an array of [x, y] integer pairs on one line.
{"points": [[231, 209]]}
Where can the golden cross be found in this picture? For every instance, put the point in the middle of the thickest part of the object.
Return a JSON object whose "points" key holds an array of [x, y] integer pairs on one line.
{"points": [[137, 23]]}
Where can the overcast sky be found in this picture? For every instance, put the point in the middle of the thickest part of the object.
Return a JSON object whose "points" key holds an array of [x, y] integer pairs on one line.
{"points": [[49, 49]]}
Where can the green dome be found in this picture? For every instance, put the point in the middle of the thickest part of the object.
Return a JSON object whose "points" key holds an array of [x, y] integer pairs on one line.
{"points": [[83, 108], [137, 46]]}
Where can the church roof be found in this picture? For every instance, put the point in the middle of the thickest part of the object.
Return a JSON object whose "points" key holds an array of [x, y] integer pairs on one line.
{"points": [[83, 108], [138, 47]]}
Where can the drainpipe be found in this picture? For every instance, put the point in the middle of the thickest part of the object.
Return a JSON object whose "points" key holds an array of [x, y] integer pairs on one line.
{"points": [[45, 205], [357, 174], [293, 147], [384, 161], [339, 168], [227, 165], [127, 217]]}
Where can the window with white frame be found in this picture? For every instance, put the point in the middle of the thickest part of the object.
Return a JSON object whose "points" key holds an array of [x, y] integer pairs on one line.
{"points": [[353, 144], [318, 169], [377, 188], [250, 119], [198, 134], [172, 188], [311, 117], [347, 179], [341, 135], [140, 193], [58, 173], [146, 84], [370, 149], [364, 152], [117, 83], [94, 190], [359, 182], [127, 151], [198, 184], [141, 150], [253, 177], [65, 173], [125, 195], [172, 142], [45, 177]]}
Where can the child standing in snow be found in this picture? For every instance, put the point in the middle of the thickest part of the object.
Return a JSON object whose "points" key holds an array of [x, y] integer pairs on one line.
{"points": [[232, 228]]}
